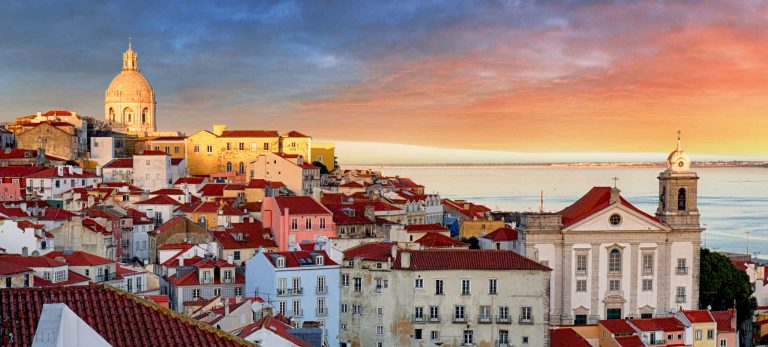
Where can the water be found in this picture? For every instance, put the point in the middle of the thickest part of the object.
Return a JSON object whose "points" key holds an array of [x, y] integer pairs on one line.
{"points": [[733, 202]]}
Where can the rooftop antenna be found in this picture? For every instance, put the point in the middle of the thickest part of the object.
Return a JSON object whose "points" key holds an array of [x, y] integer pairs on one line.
{"points": [[541, 202], [615, 182]]}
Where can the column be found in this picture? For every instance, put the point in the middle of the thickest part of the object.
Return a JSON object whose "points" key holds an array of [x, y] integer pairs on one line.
{"points": [[594, 275], [567, 312], [633, 279], [695, 273], [663, 276]]}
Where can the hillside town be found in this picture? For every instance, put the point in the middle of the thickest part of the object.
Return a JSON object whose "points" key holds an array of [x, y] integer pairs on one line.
{"points": [[115, 233]]}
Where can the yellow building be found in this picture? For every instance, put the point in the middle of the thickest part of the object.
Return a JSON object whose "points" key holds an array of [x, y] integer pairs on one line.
{"points": [[703, 325], [324, 152], [175, 146], [297, 143]]}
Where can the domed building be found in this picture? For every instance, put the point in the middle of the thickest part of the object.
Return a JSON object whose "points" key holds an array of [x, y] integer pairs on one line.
{"points": [[129, 103]]}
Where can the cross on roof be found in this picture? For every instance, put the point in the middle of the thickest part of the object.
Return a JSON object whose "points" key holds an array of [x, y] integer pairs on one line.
{"points": [[615, 181]]}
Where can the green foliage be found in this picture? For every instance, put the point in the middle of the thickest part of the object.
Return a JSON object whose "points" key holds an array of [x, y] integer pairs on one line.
{"points": [[323, 169], [722, 285]]}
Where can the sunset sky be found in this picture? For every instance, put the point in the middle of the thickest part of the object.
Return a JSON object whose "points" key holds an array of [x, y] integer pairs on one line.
{"points": [[501, 81]]}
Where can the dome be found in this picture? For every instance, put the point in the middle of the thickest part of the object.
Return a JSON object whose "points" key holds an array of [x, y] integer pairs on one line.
{"points": [[130, 86], [678, 160]]}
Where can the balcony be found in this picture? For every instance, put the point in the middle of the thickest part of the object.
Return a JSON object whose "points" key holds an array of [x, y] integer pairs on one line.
{"points": [[503, 320], [681, 270], [581, 272], [680, 299], [418, 318], [647, 271], [484, 319], [434, 319], [525, 320], [105, 277], [457, 319], [321, 289], [295, 313], [502, 343], [322, 311], [377, 289], [290, 291]]}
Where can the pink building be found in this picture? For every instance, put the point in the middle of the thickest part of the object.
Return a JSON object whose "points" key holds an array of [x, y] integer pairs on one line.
{"points": [[726, 327], [297, 219]]}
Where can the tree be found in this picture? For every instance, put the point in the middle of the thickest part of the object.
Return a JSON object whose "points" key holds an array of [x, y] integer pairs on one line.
{"points": [[323, 169], [473, 242], [723, 286]]}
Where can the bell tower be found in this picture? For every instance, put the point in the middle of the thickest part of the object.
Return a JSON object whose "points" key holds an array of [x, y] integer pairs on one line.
{"points": [[678, 191]]}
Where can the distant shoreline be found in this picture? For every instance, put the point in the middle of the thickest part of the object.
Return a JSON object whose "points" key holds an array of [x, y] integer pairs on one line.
{"points": [[584, 165]]}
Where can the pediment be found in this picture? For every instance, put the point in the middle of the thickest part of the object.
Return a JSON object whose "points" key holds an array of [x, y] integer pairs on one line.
{"points": [[631, 220]]}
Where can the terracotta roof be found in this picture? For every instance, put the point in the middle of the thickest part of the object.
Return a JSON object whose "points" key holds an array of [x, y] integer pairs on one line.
{"points": [[170, 223], [566, 338], [468, 209], [437, 240], [351, 184], [333, 198], [98, 306], [698, 316], [31, 261], [502, 234], [300, 205], [253, 236], [153, 153], [294, 133], [347, 214], [12, 211], [276, 327], [629, 341], [425, 227], [168, 191], [249, 133], [25, 224], [54, 213], [666, 324], [252, 206], [468, 259], [79, 258], [189, 180], [10, 268], [92, 225], [595, 200], [294, 258], [191, 278], [19, 153], [160, 299], [54, 113], [617, 326], [73, 278], [169, 138], [213, 189], [53, 172], [159, 200], [18, 171], [724, 319], [375, 251], [120, 163]]}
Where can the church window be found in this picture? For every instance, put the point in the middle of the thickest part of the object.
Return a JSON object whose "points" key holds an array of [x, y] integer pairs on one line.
{"points": [[111, 115], [127, 113], [229, 166], [681, 199], [581, 265], [144, 113], [614, 260], [241, 168], [614, 285], [615, 219]]}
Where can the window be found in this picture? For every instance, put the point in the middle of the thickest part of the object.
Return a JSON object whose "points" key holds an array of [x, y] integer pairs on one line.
{"points": [[581, 265], [197, 149], [209, 149], [435, 335], [175, 149], [580, 319], [241, 168], [357, 309], [321, 288], [465, 286], [723, 343], [380, 311], [358, 284], [419, 283], [241, 146], [647, 264], [458, 313], [418, 313], [319, 260], [581, 285], [344, 308], [227, 275], [680, 295], [614, 285], [615, 219], [282, 307], [297, 308], [434, 313], [439, 287], [229, 146], [380, 330], [710, 334], [322, 223], [308, 224], [682, 266], [681, 199], [229, 166], [195, 293], [8, 282], [614, 260], [647, 285], [167, 149], [468, 337], [525, 340], [294, 224], [492, 286], [216, 291], [417, 334], [504, 312], [236, 255], [345, 280], [485, 313], [526, 315], [698, 334], [266, 146], [321, 308], [280, 262]]}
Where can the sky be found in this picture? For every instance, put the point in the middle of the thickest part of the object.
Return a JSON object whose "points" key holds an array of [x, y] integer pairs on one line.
{"points": [[416, 81]]}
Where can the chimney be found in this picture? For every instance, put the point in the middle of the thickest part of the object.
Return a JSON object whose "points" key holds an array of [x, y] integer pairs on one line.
{"points": [[181, 261], [39, 114], [230, 259], [369, 212], [615, 196], [394, 251], [405, 259], [218, 129], [226, 307], [60, 170]]}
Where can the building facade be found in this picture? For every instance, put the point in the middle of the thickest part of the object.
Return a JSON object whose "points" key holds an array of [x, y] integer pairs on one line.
{"points": [[129, 102]]}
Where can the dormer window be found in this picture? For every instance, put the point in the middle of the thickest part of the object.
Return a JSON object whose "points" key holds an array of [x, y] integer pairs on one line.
{"points": [[319, 260], [280, 262]]}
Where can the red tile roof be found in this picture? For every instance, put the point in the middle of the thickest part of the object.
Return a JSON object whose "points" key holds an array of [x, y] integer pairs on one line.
{"points": [[566, 338], [54, 213], [120, 163], [253, 236], [159, 200], [469, 259], [419, 228], [213, 189], [667, 324], [168, 191], [257, 183], [595, 200], [92, 225], [629, 341], [167, 225], [502, 234], [292, 258], [73, 278], [437, 240], [12, 211], [10, 268], [79, 258], [346, 214], [249, 133], [468, 209], [53, 172], [294, 133], [617, 326], [724, 319], [375, 251], [31, 261], [698, 316], [274, 326], [18, 171], [351, 184], [56, 113], [115, 315], [300, 205], [152, 153], [25, 224], [189, 180]]}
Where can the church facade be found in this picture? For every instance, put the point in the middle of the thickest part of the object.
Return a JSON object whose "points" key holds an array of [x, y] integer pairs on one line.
{"points": [[129, 102], [612, 260]]}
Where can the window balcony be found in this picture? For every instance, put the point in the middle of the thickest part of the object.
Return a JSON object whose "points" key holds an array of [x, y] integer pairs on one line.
{"points": [[290, 291], [647, 271], [526, 320], [680, 299], [434, 319], [457, 319], [581, 272], [681, 270], [321, 289], [503, 320], [322, 311], [418, 318], [295, 313], [484, 319], [502, 343]]}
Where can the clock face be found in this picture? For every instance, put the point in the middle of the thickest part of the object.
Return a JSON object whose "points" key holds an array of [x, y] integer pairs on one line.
{"points": [[680, 163]]}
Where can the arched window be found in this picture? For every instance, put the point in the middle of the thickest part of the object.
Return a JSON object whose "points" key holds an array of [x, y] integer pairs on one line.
{"points": [[144, 113], [681, 199], [127, 113], [614, 260], [241, 168], [111, 115], [229, 166]]}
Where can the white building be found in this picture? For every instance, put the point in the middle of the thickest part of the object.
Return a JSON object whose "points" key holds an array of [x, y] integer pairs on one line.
{"points": [[102, 150], [154, 170], [51, 183], [24, 237], [118, 170], [503, 238], [302, 178], [159, 209], [456, 297], [611, 260]]}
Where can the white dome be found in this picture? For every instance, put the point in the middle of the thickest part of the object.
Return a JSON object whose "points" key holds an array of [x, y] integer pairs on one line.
{"points": [[129, 86], [678, 160]]}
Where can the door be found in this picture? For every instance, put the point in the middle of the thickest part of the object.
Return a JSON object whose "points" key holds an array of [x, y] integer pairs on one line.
{"points": [[613, 313]]}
